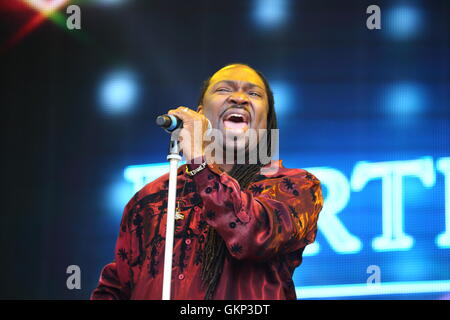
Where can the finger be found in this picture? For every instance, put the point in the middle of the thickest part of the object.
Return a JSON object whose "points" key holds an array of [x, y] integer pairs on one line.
{"points": [[183, 109], [177, 112], [184, 116], [182, 112], [189, 112]]}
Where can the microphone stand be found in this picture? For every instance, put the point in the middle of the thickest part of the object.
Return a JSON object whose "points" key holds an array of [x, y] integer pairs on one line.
{"points": [[174, 158]]}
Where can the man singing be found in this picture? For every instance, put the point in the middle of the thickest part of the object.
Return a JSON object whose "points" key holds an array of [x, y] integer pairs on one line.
{"points": [[240, 230]]}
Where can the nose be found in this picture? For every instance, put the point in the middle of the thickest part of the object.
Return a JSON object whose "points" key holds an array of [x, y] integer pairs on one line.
{"points": [[238, 98]]}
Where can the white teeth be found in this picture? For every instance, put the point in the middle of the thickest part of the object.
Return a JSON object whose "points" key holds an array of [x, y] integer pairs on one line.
{"points": [[235, 115]]}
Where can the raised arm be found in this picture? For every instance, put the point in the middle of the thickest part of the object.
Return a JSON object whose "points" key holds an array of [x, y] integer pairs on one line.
{"points": [[272, 217]]}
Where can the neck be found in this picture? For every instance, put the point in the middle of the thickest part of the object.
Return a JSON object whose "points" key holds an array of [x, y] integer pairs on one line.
{"points": [[222, 166], [225, 167]]}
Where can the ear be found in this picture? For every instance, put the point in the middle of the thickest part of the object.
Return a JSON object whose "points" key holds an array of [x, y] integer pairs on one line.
{"points": [[200, 109]]}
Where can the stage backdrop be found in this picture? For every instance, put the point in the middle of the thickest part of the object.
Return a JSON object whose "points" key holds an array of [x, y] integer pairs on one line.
{"points": [[364, 107]]}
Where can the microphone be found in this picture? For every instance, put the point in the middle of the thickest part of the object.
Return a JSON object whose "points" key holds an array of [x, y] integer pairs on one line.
{"points": [[169, 122]]}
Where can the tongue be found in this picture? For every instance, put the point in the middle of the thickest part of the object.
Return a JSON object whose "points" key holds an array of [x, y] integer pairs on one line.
{"points": [[235, 125]]}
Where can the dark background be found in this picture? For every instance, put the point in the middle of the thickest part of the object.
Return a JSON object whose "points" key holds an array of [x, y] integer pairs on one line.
{"points": [[343, 93]]}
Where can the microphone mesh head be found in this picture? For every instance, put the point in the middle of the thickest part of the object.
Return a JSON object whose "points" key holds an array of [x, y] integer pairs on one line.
{"points": [[162, 121]]}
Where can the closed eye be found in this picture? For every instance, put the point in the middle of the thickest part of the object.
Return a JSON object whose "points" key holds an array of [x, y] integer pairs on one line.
{"points": [[223, 90]]}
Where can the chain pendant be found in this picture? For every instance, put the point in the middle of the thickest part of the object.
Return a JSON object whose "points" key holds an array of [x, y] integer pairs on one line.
{"points": [[178, 214]]}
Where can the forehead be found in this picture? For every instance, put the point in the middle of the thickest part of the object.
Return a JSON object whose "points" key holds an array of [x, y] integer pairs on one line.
{"points": [[238, 73]]}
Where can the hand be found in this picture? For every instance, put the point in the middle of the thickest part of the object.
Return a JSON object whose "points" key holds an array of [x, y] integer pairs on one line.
{"points": [[191, 135]]}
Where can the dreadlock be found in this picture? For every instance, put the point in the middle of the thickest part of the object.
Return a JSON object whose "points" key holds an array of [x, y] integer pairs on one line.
{"points": [[215, 250]]}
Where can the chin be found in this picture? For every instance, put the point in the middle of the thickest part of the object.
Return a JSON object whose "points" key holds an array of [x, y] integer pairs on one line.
{"points": [[238, 148]]}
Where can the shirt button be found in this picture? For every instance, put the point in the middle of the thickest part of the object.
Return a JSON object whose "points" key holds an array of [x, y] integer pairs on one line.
{"points": [[181, 276], [187, 241]]}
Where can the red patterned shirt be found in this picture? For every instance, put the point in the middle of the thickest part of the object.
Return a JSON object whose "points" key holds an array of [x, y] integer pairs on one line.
{"points": [[265, 228]]}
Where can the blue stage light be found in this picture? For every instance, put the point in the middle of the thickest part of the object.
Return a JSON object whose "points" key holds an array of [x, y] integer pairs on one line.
{"points": [[364, 289], [140, 175], [110, 2], [270, 13], [117, 196], [284, 99], [118, 92], [403, 22], [405, 99]]}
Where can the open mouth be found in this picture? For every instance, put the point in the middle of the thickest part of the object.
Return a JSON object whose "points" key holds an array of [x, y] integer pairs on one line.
{"points": [[234, 120]]}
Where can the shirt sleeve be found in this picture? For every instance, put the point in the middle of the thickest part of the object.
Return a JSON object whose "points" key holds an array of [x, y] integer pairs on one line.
{"points": [[114, 282], [274, 217]]}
